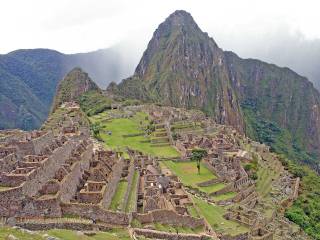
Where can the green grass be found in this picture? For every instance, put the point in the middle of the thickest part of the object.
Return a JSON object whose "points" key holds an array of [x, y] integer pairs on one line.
{"points": [[132, 201], [5, 231], [213, 188], [193, 212], [214, 215], [188, 174], [264, 181], [119, 195], [124, 126], [224, 196], [115, 234]]}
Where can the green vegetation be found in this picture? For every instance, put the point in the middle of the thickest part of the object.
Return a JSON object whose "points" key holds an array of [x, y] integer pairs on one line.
{"points": [[214, 215], [192, 211], [117, 198], [187, 172], [212, 188], [280, 140], [224, 196], [93, 102], [197, 155], [72, 86], [264, 180], [306, 209], [114, 234], [129, 132], [132, 201]]}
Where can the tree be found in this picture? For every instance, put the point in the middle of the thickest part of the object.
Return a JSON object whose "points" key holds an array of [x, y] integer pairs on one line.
{"points": [[197, 155]]}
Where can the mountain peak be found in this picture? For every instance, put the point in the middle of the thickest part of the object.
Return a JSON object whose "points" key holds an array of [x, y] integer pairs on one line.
{"points": [[178, 18], [75, 83]]}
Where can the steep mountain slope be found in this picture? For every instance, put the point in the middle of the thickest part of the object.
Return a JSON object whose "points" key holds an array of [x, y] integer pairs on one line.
{"points": [[28, 81], [72, 86], [182, 66], [281, 96]]}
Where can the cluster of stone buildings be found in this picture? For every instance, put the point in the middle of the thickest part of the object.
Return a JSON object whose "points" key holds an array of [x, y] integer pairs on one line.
{"points": [[60, 171], [161, 198], [53, 173]]}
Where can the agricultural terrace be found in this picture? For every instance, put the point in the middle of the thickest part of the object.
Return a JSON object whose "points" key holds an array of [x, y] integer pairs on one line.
{"points": [[120, 133], [188, 174]]}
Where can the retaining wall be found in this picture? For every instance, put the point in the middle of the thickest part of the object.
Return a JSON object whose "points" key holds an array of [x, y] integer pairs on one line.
{"points": [[169, 217], [91, 211], [153, 234]]}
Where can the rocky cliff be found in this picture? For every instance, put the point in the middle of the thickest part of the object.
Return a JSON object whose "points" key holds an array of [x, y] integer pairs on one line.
{"points": [[182, 66]]}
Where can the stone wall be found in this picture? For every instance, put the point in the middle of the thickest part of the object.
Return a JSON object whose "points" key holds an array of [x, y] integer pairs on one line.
{"points": [[169, 217], [129, 179], [153, 234], [48, 207], [95, 212], [210, 182], [244, 236], [113, 183], [48, 169], [211, 168], [69, 184], [8, 163], [35, 145], [37, 226], [10, 201], [41, 142]]}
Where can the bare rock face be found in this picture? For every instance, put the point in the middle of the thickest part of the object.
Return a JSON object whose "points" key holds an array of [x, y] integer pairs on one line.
{"points": [[74, 84]]}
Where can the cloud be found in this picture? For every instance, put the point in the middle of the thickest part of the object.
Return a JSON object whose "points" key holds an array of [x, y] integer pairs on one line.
{"points": [[283, 32]]}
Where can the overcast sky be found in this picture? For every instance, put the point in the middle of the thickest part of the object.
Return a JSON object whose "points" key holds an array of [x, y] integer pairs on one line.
{"points": [[279, 31], [73, 26]]}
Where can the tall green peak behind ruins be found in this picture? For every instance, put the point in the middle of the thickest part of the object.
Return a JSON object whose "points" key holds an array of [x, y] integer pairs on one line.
{"points": [[183, 67], [72, 86]]}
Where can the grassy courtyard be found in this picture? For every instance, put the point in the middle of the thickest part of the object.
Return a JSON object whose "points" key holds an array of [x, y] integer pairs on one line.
{"points": [[224, 196], [133, 192], [121, 127], [188, 174], [214, 215], [119, 195]]}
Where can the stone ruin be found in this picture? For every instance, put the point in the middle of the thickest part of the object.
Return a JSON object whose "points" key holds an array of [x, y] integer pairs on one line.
{"points": [[60, 172], [161, 196]]}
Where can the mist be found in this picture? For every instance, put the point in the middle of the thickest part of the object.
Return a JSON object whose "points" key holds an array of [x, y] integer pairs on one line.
{"points": [[285, 32]]}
